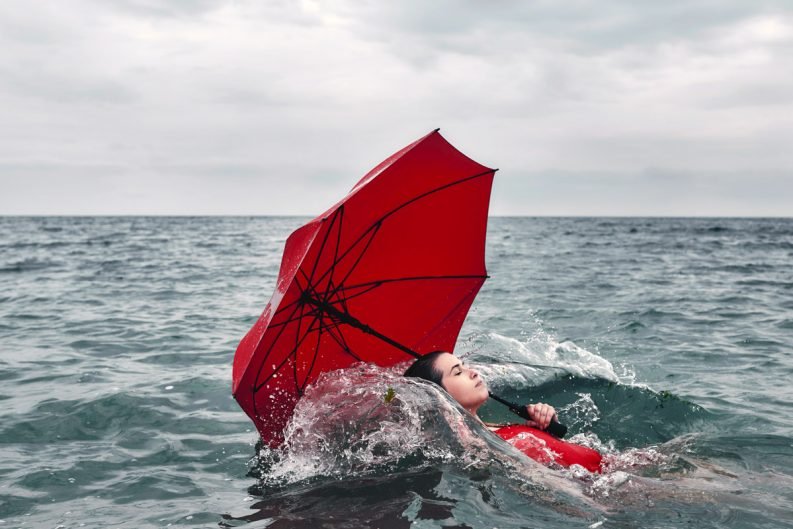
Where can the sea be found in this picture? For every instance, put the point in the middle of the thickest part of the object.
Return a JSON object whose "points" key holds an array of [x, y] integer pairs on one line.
{"points": [[665, 343]]}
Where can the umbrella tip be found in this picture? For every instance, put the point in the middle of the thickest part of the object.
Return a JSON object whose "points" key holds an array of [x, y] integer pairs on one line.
{"points": [[436, 130]]}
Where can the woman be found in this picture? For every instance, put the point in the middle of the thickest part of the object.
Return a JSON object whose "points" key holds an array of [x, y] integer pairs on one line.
{"points": [[467, 388]]}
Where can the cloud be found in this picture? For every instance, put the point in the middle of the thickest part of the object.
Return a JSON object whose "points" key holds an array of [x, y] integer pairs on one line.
{"points": [[296, 100]]}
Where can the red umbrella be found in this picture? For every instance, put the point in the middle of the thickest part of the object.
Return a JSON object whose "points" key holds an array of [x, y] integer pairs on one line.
{"points": [[386, 274]]}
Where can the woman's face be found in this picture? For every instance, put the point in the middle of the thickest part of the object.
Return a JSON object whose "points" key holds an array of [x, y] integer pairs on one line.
{"points": [[462, 382]]}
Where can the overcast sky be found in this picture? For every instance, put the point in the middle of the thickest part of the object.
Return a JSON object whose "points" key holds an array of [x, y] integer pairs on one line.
{"points": [[257, 107]]}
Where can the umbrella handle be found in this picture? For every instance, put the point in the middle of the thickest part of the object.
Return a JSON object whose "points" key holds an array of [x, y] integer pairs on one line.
{"points": [[556, 429]]}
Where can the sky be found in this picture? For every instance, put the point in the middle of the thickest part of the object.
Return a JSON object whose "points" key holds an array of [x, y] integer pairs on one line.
{"points": [[237, 107]]}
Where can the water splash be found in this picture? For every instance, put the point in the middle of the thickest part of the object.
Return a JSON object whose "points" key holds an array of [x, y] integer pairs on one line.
{"points": [[366, 419], [369, 421], [582, 413], [539, 359]]}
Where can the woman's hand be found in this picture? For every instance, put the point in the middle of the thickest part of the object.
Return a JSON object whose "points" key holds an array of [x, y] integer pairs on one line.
{"points": [[541, 415]]}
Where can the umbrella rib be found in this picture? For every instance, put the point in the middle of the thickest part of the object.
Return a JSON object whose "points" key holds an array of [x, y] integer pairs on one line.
{"points": [[278, 368], [333, 292], [314, 359], [360, 256], [312, 292], [295, 302], [431, 191], [413, 278], [302, 308], [291, 353], [310, 288], [286, 307], [341, 341], [298, 341], [343, 299], [330, 291], [336, 249], [375, 226], [336, 214], [290, 320], [269, 350], [337, 326], [291, 304], [346, 317], [379, 221], [285, 322], [256, 388], [309, 282]]}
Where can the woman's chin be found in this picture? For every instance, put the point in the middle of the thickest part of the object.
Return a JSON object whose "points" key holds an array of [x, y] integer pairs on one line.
{"points": [[483, 394]]}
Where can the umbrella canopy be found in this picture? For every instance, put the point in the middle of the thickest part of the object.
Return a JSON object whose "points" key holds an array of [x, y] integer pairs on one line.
{"points": [[386, 274]]}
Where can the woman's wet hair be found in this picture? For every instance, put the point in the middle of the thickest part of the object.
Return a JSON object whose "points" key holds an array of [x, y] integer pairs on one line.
{"points": [[424, 367]]}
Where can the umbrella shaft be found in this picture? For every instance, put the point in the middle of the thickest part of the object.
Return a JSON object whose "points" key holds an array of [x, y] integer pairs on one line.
{"points": [[352, 321]]}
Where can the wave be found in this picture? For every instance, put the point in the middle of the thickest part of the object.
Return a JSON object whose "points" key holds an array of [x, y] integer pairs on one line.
{"points": [[539, 359], [27, 265]]}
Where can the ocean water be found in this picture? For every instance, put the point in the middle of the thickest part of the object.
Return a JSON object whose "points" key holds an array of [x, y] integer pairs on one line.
{"points": [[664, 343]]}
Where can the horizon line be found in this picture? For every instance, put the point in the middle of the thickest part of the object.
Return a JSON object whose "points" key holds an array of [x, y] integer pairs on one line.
{"points": [[296, 216]]}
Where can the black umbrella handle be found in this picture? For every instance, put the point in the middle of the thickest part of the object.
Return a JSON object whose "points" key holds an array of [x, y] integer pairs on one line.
{"points": [[556, 429]]}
